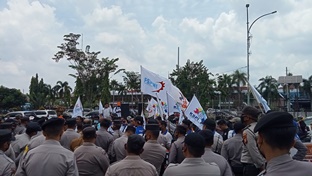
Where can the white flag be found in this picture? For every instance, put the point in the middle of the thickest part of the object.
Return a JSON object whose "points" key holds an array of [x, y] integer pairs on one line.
{"points": [[195, 113], [152, 83], [152, 108], [101, 108], [173, 105], [178, 96], [78, 109], [260, 99]]}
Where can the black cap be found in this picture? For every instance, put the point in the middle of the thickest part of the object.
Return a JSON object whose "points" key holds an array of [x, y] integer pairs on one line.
{"points": [[152, 127], [89, 132], [238, 126], [71, 121], [33, 127], [139, 119], [253, 112], [25, 119], [6, 125], [5, 135], [209, 123], [274, 120], [194, 140], [53, 122], [135, 142]]}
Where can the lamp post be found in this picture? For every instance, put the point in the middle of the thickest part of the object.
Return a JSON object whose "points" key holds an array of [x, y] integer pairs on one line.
{"points": [[248, 46]]}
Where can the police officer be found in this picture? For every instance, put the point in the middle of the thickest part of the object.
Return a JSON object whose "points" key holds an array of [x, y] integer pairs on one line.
{"points": [[253, 162], [276, 137], [153, 152], [133, 164], [70, 133], [209, 156], [88, 155], [104, 138], [50, 158], [193, 164], [217, 138], [176, 154], [7, 166]]}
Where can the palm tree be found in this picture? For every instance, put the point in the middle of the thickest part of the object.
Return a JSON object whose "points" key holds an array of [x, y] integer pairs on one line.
{"points": [[307, 83], [132, 81], [51, 95], [268, 88], [239, 78], [63, 89], [225, 86]]}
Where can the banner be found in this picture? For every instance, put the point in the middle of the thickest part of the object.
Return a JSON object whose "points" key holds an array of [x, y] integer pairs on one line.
{"points": [[101, 108], [260, 99], [152, 83], [195, 113], [78, 109], [178, 96]]}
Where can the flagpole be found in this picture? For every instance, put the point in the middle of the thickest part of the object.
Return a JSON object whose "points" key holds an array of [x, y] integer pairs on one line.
{"points": [[142, 104], [159, 107], [168, 122]]}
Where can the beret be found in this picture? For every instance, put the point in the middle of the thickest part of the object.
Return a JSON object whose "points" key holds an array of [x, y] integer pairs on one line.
{"points": [[274, 120], [238, 126], [89, 132], [152, 127], [254, 112], [71, 121], [33, 127], [195, 140], [135, 141], [5, 135], [6, 125], [54, 121]]}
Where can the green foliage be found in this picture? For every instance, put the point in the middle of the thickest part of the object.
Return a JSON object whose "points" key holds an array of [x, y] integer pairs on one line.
{"points": [[38, 92], [268, 88], [11, 98]]}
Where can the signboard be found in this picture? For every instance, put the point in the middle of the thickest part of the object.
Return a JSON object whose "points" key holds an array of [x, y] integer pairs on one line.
{"points": [[290, 79]]}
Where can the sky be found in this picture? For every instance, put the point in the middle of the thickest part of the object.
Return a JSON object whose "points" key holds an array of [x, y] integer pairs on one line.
{"points": [[149, 32]]}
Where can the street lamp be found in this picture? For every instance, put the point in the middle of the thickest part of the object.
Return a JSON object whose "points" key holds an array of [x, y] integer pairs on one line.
{"points": [[248, 46]]}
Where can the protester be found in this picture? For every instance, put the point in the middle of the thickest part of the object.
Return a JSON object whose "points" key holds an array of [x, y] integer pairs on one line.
{"points": [[276, 137], [217, 138], [91, 159], [70, 133], [153, 152], [209, 156], [251, 158], [132, 164], [165, 137], [116, 129], [222, 124], [104, 138], [176, 154], [117, 151], [107, 111], [7, 166], [232, 149], [124, 124], [138, 123], [193, 164], [50, 158]]}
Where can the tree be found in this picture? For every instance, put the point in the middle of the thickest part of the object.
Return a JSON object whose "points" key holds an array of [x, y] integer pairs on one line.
{"points": [[38, 92], [132, 82], [225, 83], [239, 78], [11, 98], [307, 84], [194, 78], [64, 90], [268, 88]]}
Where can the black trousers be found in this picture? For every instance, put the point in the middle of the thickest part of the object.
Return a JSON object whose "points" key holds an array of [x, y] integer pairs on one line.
{"points": [[250, 170]]}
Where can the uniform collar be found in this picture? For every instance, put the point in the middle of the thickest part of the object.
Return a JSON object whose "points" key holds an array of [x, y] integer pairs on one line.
{"points": [[193, 161], [278, 161], [132, 157], [152, 141], [51, 142], [208, 149], [88, 144]]}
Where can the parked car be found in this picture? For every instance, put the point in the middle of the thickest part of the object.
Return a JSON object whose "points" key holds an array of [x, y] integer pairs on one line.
{"points": [[45, 113], [92, 114], [12, 115]]}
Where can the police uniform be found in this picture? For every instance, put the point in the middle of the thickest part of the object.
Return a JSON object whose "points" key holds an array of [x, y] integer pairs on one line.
{"points": [[154, 153], [217, 143], [7, 166], [35, 142], [104, 139], [209, 157], [282, 164], [48, 159], [69, 135], [20, 129], [176, 154], [131, 165], [91, 160], [118, 151]]}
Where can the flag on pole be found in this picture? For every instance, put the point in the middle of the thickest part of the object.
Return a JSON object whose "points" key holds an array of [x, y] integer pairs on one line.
{"points": [[260, 99], [178, 96], [173, 105], [152, 83], [152, 108], [78, 109], [101, 108], [195, 113]]}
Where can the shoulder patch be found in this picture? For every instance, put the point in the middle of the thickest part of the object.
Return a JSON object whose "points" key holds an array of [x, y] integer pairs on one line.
{"points": [[245, 141]]}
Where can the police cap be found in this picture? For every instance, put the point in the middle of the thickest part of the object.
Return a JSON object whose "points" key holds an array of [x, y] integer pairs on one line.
{"points": [[53, 122], [274, 120]]}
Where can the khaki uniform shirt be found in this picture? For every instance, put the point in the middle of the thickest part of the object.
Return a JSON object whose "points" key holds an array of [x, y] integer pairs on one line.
{"points": [[217, 143], [10, 153], [48, 159], [232, 150], [131, 166], [154, 153], [250, 152], [103, 139], [192, 167], [35, 142], [211, 157], [20, 142], [176, 154], [285, 165], [20, 129], [91, 160], [118, 150], [7, 166], [67, 138], [117, 134]]}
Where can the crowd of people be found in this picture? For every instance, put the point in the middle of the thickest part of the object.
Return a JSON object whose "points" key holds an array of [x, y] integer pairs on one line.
{"points": [[249, 145]]}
